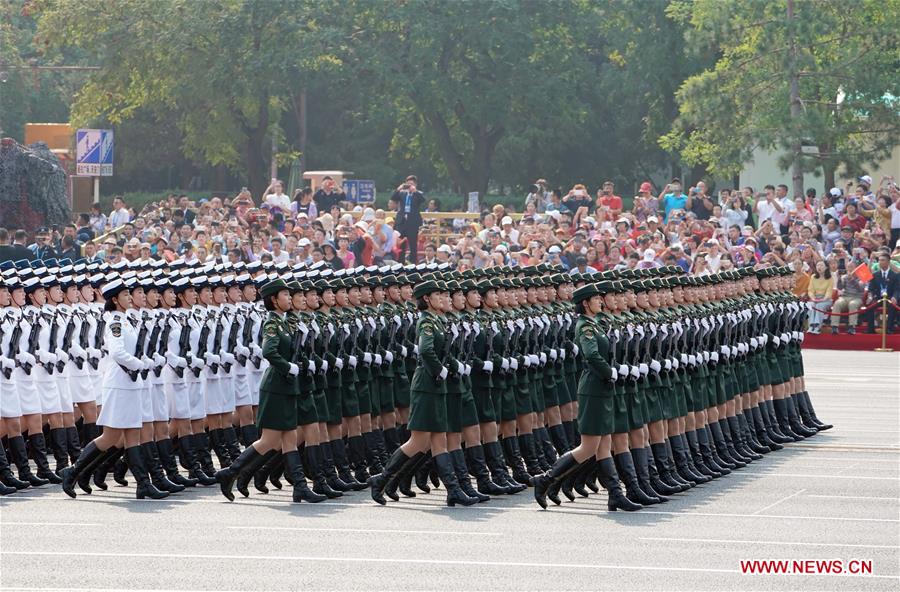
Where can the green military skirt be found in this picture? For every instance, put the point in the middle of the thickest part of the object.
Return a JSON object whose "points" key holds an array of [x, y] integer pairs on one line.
{"points": [[653, 399], [319, 400], [523, 394], [483, 399], [306, 409], [507, 399], [349, 393], [635, 405], [751, 373], [550, 391], [428, 412], [333, 403], [536, 387], [401, 387], [596, 414], [468, 413], [277, 411], [563, 395], [386, 394]]}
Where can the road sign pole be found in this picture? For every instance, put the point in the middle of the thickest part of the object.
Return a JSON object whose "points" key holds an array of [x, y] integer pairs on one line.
{"points": [[96, 189]]}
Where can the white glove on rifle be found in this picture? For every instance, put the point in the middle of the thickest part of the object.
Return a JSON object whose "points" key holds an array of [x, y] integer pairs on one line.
{"points": [[294, 369], [488, 367], [443, 373], [352, 361]]}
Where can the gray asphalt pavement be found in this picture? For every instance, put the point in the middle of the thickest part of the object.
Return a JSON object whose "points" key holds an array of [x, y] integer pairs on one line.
{"points": [[833, 497]]}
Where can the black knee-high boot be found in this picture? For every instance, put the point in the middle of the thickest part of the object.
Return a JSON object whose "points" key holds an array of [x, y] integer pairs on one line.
{"points": [[731, 441], [746, 422], [560, 439], [667, 472], [628, 473], [697, 457], [515, 461], [166, 451], [249, 434], [358, 458], [217, 442], [39, 453], [458, 458], [102, 469], [814, 420], [642, 469], [529, 454], [330, 469], [706, 452], [6, 476], [19, 455], [294, 467], [373, 461], [260, 474], [794, 418], [762, 432], [145, 487], [392, 470], [191, 456], [455, 494], [546, 445], [564, 466], [391, 439], [681, 456], [499, 472], [741, 444], [228, 475], [230, 442], [201, 446], [479, 469], [610, 481], [342, 464], [73, 443], [59, 445], [316, 472], [89, 457], [154, 468]]}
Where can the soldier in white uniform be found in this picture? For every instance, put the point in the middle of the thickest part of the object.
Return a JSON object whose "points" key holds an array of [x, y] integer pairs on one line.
{"points": [[122, 414], [10, 410]]}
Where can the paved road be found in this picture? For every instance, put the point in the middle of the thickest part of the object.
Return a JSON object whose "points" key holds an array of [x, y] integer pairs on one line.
{"points": [[834, 496]]}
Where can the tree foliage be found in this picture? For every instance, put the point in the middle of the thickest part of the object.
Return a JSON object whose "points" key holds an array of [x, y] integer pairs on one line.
{"points": [[845, 56]]}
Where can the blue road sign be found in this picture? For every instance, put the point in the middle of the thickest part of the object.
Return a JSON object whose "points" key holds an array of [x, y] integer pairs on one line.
{"points": [[94, 152]]}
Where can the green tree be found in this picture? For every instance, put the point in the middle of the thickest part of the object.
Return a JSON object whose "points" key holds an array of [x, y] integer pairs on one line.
{"points": [[216, 67], [814, 79]]}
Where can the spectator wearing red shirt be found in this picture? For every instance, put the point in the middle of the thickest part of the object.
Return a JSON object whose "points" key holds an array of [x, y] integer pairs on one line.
{"points": [[852, 218], [606, 198]]}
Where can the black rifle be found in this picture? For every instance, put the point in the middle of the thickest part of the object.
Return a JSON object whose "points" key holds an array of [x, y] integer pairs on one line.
{"points": [[14, 350], [138, 352], [7, 372], [51, 346], [184, 344], [67, 340], [257, 361], [202, 346], [232, 340], [153, 347], [98, 340], [217, 342], [34, 337]]}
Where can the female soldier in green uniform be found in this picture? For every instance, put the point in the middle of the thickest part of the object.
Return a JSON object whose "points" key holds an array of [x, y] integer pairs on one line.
{"points": [[596, 413], [428, 423], [279, 390]]}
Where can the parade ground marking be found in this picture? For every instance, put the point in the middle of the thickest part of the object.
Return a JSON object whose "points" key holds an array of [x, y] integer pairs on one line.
{"points": [[4, 523], [862, 497], [371, 530], [413, 561], [784, 499], [785, 543]]}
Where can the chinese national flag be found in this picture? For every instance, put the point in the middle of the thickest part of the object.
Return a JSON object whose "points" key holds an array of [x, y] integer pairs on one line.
{"points": [[863, 273]]}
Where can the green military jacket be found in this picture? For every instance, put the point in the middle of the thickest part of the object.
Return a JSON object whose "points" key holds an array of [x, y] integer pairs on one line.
{"points": [[593, 347], [277, 337], [432, 352]]}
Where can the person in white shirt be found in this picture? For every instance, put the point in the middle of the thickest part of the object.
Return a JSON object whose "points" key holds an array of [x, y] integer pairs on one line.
{"points": [[119, 215], [509, 234], [278, 254], [276, 198]]}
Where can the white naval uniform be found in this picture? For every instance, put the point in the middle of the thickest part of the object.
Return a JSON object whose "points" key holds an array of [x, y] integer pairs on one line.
{"points": [[213, 388], [257, 316], [29, 399], [242, 396], [176, 387], [48, 383], [80, 382], [194, 383], [9, 394], [121, 394], [155, 377], [136, 318]]}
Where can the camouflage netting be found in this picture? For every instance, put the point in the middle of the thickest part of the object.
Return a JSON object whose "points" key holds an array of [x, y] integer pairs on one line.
{"points": [[32, 187]]}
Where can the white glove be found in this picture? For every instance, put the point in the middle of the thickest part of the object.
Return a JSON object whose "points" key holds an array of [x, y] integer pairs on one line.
{"points": [[543, 358], [684, 358], [784, 338], [378, 360], [575, 349], [754, 343], [213, 359], [655, 366], [46, 357], [389, 357], [158, 360], [416, 349], [467, 369], [776, 340], [675, 363], [312, 367], [77, 351], [227, 357], [802, 337], [714, 356], [352, 361], [324, 366], [257, 351], [94, 352], [61, 356], [706, 356], [535, 360], [734, 350], [443, 373], [725, 351], [7, 363], [367, 358], [635, 372], [339, 363], [692, 359], [562, 353], [643, 369], [615, 375], [514, 363], [527, 361], [242, 351], [147, 362], [294, 369], [488, 367], [554, 355], [403, 351], [668, 364], [196, 363]]}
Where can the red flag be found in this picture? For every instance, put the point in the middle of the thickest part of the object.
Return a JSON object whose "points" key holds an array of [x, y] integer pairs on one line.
{"points": [[863, 273]]}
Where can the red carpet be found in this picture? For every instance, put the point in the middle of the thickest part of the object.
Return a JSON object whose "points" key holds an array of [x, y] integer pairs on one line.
{"points": [[860, 341]]}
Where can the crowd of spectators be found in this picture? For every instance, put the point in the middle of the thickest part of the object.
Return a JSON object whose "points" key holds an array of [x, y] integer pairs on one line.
{"points": [[844, 244]]}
